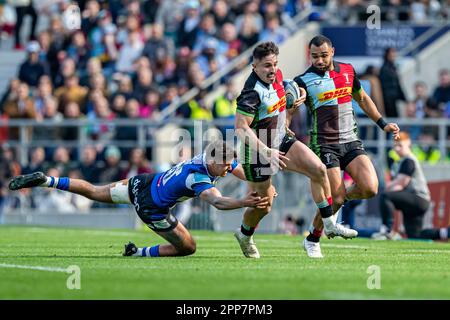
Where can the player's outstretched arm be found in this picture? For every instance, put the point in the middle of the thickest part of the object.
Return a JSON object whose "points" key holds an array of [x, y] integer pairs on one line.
{"points": [[366, 103], [215, 198]]}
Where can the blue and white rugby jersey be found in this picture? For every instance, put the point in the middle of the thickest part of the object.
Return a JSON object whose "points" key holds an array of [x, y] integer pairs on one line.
{"points": [[184, 181]]}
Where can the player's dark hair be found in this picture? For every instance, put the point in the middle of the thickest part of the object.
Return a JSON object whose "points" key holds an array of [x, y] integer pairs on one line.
{"points": [[319, 40], [264, 49], [220, 152]]}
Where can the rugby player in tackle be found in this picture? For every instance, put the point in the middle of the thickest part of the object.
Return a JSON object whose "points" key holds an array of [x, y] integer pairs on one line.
{"points": [[154, 194]]}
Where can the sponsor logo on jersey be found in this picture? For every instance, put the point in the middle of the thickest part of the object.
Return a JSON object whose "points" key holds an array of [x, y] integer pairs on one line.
{"points": [[334, 94], [346, 78], [161, 224], [135, 191], [281, 105]]}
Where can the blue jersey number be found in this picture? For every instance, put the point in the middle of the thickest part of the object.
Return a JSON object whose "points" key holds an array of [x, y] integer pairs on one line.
{"points": [[175, 171]]}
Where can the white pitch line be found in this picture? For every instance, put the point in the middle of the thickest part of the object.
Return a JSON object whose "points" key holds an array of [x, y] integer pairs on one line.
{"points": [[51, 269]]}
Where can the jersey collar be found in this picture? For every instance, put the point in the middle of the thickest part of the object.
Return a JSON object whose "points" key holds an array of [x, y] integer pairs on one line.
{"points": [[267, 85]]}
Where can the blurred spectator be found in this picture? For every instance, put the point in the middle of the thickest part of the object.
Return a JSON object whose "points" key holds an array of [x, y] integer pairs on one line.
{"points": [[291, 225], [188, 27], [71, 112], [371, 74], [224, 107], [222, 13], [248, 32], [71, 92], [157, 45], [138, 164], [195, 74], [78, 50], [61, 161], [32, 69], [8, 168], [24, 8], [170, 96], [56, 52], [10, 93], [210, 60], [94, 66], [111, 170], [97, 82], [128, 133], [232, 45], [182, 60], [90, 16], [101, 111], [390, 84], [441, 94], [44, 39], [207, 30], [118, 105], [163, 68], [130, 51], [44, 91], [195, 109], [89, 167], [37, 161], [22, 107], [150, 105], [51, 114], [144, 82], [125, 87], [251, 13], [273, 31], [425, 107], [67, 68], [169, 15], [414, 130], [150, 9]]}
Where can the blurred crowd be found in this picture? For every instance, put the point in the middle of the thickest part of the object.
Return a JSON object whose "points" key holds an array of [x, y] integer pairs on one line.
{"points": [[131, 59]]}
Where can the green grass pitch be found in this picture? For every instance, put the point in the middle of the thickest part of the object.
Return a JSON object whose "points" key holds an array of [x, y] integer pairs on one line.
{"points": [[408, 269]]}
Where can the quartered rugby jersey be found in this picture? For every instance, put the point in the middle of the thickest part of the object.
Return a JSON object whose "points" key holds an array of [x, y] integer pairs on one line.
{"points": [[329, 100], [184, 181], [266, 103]]}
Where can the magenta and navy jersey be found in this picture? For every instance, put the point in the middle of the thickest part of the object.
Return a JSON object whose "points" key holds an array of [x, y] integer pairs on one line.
{"points": [[184, 181], [329, 100]]}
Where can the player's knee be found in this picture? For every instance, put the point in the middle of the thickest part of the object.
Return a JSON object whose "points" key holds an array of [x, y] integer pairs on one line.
{"points": [[370, 191], [188, 248], [319, 172]]}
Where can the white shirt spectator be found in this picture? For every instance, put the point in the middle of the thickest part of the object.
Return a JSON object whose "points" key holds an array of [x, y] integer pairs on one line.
{"points": [[129, 52]]}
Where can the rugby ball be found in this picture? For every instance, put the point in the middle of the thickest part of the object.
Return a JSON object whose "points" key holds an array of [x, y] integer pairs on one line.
{"points": [[292, 92]]}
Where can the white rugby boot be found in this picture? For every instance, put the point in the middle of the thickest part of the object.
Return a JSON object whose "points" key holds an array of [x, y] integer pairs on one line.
{"points": [[332, 230], [247, 244], [312, 249]]}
